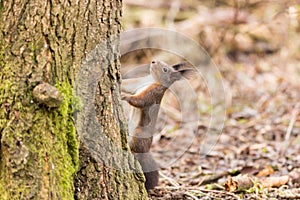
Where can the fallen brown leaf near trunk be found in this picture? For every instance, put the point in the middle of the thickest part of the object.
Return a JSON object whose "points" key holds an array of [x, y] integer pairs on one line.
{"points": [[239, 183], [268, 170]]}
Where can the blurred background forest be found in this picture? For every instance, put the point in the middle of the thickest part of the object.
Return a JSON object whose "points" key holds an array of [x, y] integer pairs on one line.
{"points": [[256, 46]]}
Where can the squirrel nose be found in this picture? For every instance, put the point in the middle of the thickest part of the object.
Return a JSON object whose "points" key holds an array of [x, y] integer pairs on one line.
{"points": [[153, 62]]}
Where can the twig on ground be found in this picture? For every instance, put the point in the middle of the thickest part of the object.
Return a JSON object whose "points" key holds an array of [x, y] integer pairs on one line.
{"points": [[213, 178], [201, 191], [225, 193], [292, 122], [191, 195], [170, 180]]}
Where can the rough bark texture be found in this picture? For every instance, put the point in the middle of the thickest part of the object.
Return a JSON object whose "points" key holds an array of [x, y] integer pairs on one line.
{"points": [[46, 42]]}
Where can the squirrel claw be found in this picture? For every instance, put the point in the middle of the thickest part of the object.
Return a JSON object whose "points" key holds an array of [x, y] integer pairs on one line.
{"points": [[123, 97]]}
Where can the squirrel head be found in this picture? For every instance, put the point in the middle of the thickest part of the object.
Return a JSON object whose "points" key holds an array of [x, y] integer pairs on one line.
{"points": [[167, 75]]}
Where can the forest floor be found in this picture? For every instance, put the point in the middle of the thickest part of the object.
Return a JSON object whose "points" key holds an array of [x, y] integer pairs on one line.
{"points": [[256, 47]]}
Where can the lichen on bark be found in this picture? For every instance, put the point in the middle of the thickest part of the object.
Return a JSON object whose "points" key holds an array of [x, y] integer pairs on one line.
{"points": [[39, 148]]}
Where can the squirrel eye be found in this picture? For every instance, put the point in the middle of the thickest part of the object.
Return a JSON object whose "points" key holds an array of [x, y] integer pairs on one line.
{"points": [[165, 69]]}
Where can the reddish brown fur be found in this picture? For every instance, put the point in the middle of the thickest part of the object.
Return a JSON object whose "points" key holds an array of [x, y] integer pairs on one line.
{"points": [[151, 95], [148, 102]]}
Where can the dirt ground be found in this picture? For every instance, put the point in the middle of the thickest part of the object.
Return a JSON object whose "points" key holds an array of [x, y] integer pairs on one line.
{"points": [[256, 47]]}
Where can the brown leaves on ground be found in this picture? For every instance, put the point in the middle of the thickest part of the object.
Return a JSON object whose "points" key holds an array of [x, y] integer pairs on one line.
{"points": [[239, 183], [255, 45], [268, 170], [246, 182], [274, 181]]}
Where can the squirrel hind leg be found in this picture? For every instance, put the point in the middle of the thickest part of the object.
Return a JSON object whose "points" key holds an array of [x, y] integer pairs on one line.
{"points": [[150, 169]]}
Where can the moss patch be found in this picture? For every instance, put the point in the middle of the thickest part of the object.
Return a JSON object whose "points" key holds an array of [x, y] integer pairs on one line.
{"points": [[69, 106], [46, 144], [66, 155]]}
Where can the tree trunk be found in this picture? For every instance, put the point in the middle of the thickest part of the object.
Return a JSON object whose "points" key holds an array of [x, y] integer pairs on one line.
{"points": [[50, 134]]}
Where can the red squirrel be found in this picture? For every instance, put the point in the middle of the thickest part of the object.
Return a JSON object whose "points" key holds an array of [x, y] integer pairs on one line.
{"points": [[145, 94]]}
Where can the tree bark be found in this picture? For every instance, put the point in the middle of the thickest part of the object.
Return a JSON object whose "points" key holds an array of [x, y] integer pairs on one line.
{"points": [[44, 54]]}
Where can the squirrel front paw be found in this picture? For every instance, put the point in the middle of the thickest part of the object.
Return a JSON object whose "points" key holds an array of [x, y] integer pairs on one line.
{"points": [[124, 97]]}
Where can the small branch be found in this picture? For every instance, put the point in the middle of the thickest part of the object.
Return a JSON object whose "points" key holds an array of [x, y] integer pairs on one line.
{"points": [[213, 178], [225, 193], [292, 122], [170, 180], [206, 192], [191, 195]]}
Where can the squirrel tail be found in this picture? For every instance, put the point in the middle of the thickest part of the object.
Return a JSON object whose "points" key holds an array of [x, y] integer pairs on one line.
{"points": [[150, 169]]}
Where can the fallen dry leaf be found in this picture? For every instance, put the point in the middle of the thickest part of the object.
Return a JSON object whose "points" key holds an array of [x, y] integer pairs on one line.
{"points": [[268, 170], [239, 183], [274, 181]]}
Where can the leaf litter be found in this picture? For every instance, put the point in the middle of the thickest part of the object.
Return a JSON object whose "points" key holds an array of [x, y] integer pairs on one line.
{"points": [[256, 46]]}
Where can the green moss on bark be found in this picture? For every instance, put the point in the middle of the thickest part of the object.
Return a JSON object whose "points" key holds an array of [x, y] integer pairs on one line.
{"points": [[66, 123], [67, 147], [38, 145]]}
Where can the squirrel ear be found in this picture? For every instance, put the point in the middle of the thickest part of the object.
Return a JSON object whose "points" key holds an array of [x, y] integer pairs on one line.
{"points": [[187, 73], [185, 68], [180, 66]]}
